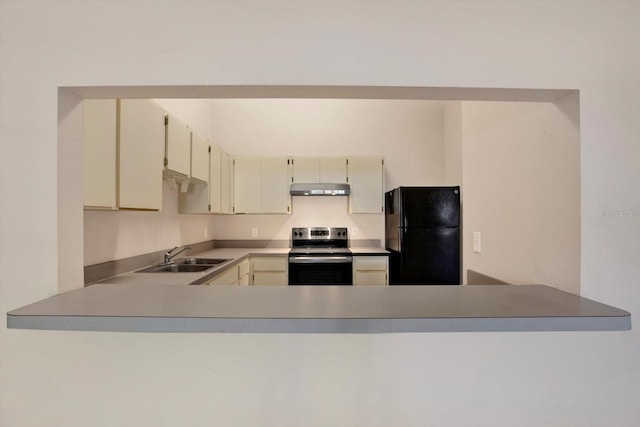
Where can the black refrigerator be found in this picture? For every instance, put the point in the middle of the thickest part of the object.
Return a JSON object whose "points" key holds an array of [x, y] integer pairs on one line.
{"points": [[422, 232]]}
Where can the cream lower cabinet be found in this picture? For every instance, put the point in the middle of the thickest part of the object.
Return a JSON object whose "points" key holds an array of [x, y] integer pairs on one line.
{"points": [[269, 270], [236, 275], [370, 270], [244, 269]]}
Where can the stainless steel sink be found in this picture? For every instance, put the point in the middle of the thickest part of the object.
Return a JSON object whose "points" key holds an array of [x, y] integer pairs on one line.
{"points": [[200, 261], [175, 268]]}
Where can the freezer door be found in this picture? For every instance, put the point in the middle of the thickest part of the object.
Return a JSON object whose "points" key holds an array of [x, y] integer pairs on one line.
{"points": [[429, 207], [427, 256]]}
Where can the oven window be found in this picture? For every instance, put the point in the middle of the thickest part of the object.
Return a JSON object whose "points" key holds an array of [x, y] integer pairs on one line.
{"points": [[320, 274]]}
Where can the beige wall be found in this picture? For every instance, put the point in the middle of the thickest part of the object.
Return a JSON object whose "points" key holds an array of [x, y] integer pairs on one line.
{"points": [[115, 235], [521, 172], [494, 379]]}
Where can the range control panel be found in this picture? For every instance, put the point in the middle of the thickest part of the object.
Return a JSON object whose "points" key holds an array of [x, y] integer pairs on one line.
{"points": [[319, 233]]}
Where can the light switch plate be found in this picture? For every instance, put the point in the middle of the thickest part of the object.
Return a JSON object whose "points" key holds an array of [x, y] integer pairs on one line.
{"points": [[477, 242]]}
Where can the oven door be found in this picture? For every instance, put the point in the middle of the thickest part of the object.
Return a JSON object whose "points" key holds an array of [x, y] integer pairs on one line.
{"points": [[320, 270]]}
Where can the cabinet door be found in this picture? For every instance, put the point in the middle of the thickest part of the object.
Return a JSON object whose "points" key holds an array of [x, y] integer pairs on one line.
{"points": [[100, 140], [366, 180], [178, 146], [370, 270], [333, 170], [270, 278], [247, 186], [226, 184], [370, 278], [306, 170], [227, 278], [199, 158], [215, 179], [272, 270], [274, 185], [141, 149]]}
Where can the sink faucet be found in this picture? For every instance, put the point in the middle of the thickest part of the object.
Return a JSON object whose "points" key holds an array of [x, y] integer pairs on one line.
{"points": [[168, 256]]}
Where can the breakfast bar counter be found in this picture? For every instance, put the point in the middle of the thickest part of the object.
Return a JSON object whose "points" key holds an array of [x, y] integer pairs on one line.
{"points": [[318, 309]]}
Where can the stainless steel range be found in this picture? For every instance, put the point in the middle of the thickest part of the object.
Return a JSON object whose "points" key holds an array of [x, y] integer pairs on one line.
{"points": [[320, 256]]}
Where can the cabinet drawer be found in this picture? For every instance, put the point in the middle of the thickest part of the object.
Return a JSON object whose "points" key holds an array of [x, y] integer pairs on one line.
{"points": [[276, 263], [370, 278], [370, 263], [270, 278], [227, 278]]}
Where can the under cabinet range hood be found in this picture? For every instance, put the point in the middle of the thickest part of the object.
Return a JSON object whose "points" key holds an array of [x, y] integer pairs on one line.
{"points": [[314, 189]]}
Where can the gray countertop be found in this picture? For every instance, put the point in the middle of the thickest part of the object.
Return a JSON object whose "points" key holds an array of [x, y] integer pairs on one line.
{"points": [[235, 255], [318, 309]]}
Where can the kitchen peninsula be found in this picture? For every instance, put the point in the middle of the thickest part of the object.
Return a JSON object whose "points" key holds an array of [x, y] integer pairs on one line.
{"points": [[318, 309]]}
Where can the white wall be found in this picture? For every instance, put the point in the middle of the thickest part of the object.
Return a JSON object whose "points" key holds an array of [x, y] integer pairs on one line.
{"points": [[521, 180], [493, 379]]}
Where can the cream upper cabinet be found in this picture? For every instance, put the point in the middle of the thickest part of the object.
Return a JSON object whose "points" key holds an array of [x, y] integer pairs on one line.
{"points": [[305, 170], [366, 176], [220, 181], [319, 169], [226, 183], [247, 187], [199, 158], [178, 146], [333, 170], [100, 140], [274, 185], [213, 196], [215, 180], [141, 149], [261, 185]]}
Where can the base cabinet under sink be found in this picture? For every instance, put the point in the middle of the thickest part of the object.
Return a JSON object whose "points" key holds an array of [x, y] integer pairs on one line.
{"points": [[236, 275]]}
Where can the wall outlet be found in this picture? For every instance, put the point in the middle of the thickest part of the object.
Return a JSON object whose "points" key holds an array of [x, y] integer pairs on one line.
{"points": [[477, 242], [254, 231], [354, 231], [206, 233]]}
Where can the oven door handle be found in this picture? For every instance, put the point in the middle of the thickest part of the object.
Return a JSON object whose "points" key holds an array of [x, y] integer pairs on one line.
{"points": [[320, 260]]}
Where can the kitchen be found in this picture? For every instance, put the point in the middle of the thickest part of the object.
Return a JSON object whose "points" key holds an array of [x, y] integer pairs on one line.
{"points": [[145, 379], [421, 143]]}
